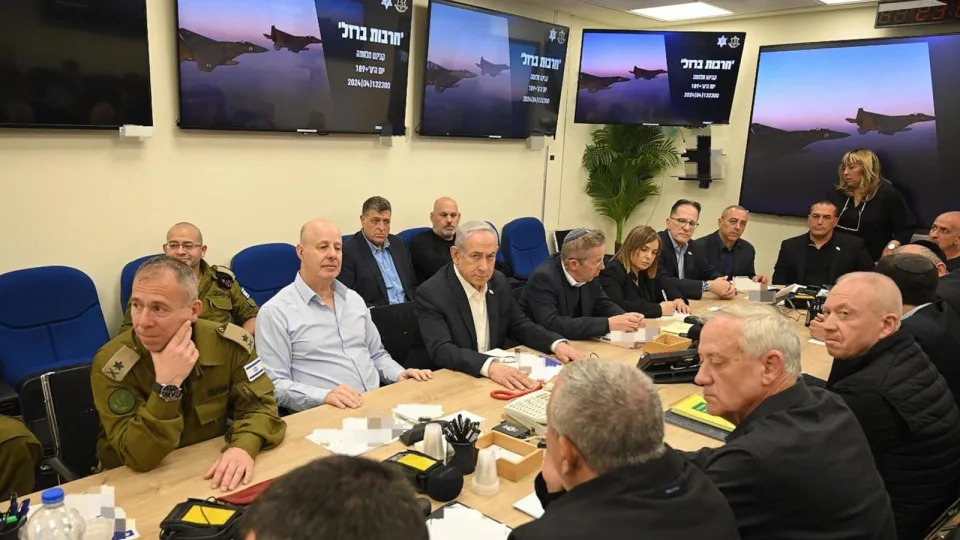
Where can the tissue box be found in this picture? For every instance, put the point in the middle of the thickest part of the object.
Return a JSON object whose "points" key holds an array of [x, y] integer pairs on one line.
{"points": [[667, 343], [532, 456]]}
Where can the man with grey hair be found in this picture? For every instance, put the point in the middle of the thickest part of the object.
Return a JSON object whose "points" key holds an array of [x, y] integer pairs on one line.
{"points": [[797, 465], [174, 380], [730, 254], [606, 460], [903, 404], [467, 308], [376, 263], [563, 294]]}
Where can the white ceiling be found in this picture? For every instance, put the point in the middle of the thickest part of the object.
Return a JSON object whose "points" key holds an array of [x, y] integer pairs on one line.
{"points": [[617, 12]]}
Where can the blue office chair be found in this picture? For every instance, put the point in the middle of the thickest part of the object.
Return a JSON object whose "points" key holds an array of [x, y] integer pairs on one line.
{"points": [[408, 234], [265, 269], [126, 279], [524, 244], [50, 317]]}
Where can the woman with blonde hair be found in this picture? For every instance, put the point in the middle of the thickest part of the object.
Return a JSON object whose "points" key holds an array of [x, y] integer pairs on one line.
{"points": [[631, 279], [869, 205]]}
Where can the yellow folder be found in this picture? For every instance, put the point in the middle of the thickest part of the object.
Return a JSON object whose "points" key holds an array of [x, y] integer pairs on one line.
{"points": [[694, 407]]}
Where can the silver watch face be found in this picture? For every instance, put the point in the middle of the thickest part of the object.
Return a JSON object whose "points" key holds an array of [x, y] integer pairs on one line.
{"points": [[169, 392]]}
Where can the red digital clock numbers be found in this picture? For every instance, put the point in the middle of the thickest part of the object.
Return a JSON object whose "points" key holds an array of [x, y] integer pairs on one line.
{"points": [[949, 12]]}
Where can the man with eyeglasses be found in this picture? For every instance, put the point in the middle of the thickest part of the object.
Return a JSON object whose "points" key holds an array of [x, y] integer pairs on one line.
{"points": [[686, 263], [223, 299], [376, 264], [730, 254], [946, 233], [822, 255], [564, 296]]}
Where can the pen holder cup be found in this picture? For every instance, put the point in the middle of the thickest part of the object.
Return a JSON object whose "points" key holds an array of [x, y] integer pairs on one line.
{"points": [[12, 534], [464, 457]]}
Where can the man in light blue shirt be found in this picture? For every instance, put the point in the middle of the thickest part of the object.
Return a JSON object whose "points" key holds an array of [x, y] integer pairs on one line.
{"points": [[316, 338]]}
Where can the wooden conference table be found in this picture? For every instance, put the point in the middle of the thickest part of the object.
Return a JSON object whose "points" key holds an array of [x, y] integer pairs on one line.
{"points": [[149, 497]]}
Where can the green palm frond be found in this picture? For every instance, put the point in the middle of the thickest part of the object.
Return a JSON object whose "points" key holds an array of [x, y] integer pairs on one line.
{"points": [[622, 162]]}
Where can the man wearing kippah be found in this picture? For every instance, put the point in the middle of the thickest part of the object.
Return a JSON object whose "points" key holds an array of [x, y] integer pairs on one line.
{"points": [[563, 295]]}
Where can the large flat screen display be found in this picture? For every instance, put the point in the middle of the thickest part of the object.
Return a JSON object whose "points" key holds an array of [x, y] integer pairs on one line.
{"points": [[491, 74], [320, 66], [814, 102], [76, 64], [664, 78]]}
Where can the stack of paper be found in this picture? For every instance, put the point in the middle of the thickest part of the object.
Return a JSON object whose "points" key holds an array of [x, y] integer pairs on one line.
{"points": [[538, 367], [677, 328], [413, 413], [101, 505], [357, 436], [459, 522], [530, 505]]}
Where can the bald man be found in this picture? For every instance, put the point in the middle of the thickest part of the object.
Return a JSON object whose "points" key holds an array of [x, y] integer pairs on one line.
{"points": [[223, 299], [946, 233], [430, 250], [902, 403], [316, 339]]}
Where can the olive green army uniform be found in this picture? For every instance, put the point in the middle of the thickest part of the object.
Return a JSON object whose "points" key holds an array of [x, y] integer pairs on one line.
{"points": [[223, 299], [20, 452], [228, 381]]}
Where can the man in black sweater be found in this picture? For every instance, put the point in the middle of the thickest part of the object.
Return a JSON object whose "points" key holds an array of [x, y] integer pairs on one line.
{"points": [[430, 250], [903, 404], [607, 472], [797, 465], [946, 233], [564, 295]]}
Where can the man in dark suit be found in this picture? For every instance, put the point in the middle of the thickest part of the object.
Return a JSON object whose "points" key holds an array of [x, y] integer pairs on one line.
{"points": [[467, 308], [822, 255], [730, 254], [948, 286], [376, 263], [931, 322], [684, 263], [564, 296]]}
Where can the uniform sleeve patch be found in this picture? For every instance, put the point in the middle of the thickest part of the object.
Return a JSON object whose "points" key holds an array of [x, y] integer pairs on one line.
{"points": [[121, 363], [121, 401], [237, 335], [254, 369]]}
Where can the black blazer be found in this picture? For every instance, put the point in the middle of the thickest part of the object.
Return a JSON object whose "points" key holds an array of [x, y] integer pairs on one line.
{"points": [[696, 267], [851, 256], [549, 300], [642, 297], [936, 328], [446, 323], [948, 288], [744, 254], [361, 273]]}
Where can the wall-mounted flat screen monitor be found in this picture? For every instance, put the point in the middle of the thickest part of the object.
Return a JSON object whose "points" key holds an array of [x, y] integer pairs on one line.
{"points": [[491, 74], [664, 78], [814, 102], [74, 64], [324, 66]]}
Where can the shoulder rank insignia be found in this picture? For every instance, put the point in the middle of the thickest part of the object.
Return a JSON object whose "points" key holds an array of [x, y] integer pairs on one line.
{"points": [[237, 335], [225, 277], [121, 363]]}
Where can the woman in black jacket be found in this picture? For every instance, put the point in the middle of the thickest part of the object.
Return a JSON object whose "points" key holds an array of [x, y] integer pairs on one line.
{"points": [[870, 206], [631, 279]]}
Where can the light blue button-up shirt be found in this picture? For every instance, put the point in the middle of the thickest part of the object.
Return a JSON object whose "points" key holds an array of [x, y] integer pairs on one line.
{"points": [[308, 349], [388, 269], [680, 251]]}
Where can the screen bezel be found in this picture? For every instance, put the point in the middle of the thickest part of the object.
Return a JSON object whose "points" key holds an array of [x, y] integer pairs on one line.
{"points": [[423, 82], [802, 46], [101, 127], [385, 129], [576, 102]]}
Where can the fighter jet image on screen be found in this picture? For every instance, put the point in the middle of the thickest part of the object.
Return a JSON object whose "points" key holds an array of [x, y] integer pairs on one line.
{"points": [[441, 78], [867, 121], [491, 69], [292, 43], [210, 53], [646, 74], [777, 141], [594, 84]]}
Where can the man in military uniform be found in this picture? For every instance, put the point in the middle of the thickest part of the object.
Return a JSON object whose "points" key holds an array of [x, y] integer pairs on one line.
{"points": [[171, 380], [20, 452], [223, 299]]}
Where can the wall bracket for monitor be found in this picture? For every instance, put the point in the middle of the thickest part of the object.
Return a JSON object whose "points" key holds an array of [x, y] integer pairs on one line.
{"points": [[702, 157], [389, 131], [130, 131]]}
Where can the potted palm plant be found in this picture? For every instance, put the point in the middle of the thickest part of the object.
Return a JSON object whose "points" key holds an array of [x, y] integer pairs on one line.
{"points": [[622, 162]]}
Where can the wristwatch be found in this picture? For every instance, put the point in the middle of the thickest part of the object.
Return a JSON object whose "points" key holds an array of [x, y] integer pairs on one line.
{"points": [[168, 392], [891, 246], [705, 286]]}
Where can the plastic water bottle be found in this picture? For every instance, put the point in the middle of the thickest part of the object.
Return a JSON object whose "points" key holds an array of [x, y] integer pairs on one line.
{"points": [[53, 521]]}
